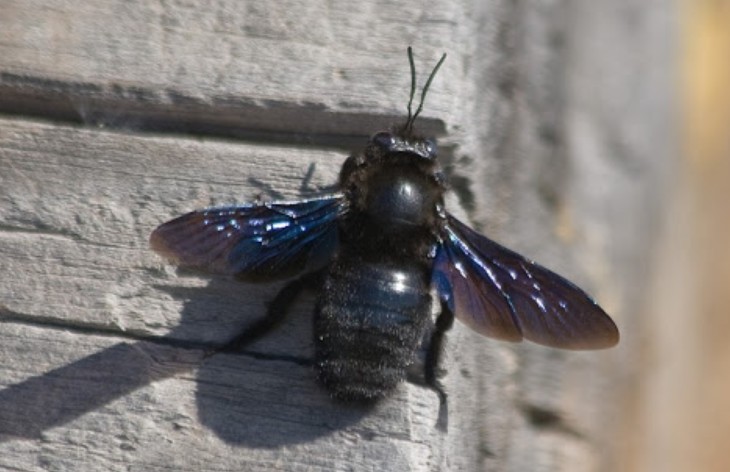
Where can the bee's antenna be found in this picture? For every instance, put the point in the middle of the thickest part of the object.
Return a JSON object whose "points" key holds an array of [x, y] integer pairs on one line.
{"points": [[412, 116], [409, 122]]}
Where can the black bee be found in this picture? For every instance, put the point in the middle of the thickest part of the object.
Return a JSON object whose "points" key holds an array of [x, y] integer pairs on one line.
{"points": [[375, 250]]}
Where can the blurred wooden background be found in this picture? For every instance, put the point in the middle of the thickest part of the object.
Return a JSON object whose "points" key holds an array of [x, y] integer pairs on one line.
{"points": [[683, 406]]}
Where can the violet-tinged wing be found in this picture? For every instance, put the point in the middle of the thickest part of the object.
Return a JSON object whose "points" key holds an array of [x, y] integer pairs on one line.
{"points": [[500, 294], [255, 241]]}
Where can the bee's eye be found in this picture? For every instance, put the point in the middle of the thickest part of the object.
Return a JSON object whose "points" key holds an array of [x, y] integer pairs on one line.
{"points": [[383, 140], [430, 147]]}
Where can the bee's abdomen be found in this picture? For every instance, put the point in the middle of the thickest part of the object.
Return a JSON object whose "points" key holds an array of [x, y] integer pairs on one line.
{"points": [[369, 323]]}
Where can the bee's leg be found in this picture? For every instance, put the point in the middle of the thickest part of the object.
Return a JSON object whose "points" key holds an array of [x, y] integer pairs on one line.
{"points": [[443, 323], [431, 367], [277, 311]]}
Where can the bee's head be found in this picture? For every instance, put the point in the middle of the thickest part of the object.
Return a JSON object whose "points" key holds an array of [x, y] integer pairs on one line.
{"points": [[391, 150], [385, 143]]}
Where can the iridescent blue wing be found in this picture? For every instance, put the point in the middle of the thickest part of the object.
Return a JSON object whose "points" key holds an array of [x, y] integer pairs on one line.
{"points": [[500, 294], [256, 241]]}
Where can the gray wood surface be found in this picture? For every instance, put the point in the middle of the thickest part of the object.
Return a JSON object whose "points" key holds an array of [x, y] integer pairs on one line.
{"points": [[553, 118]]}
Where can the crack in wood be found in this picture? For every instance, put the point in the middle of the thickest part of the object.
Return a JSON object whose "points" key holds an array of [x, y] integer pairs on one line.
{"points": [[40, 230], [10, 316], [171, 111]]}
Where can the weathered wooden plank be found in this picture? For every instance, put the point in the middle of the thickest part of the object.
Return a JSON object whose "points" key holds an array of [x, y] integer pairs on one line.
{"points": [[226, 66], [65, 244], [77, 208], [86, 402]]}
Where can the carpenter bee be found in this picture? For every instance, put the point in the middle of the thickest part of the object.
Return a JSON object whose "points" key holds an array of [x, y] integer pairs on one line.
{"points": [[376, 251]]}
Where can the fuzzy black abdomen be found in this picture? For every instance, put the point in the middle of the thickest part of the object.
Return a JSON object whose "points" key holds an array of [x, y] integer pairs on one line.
{"points": [[370, 321]]}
